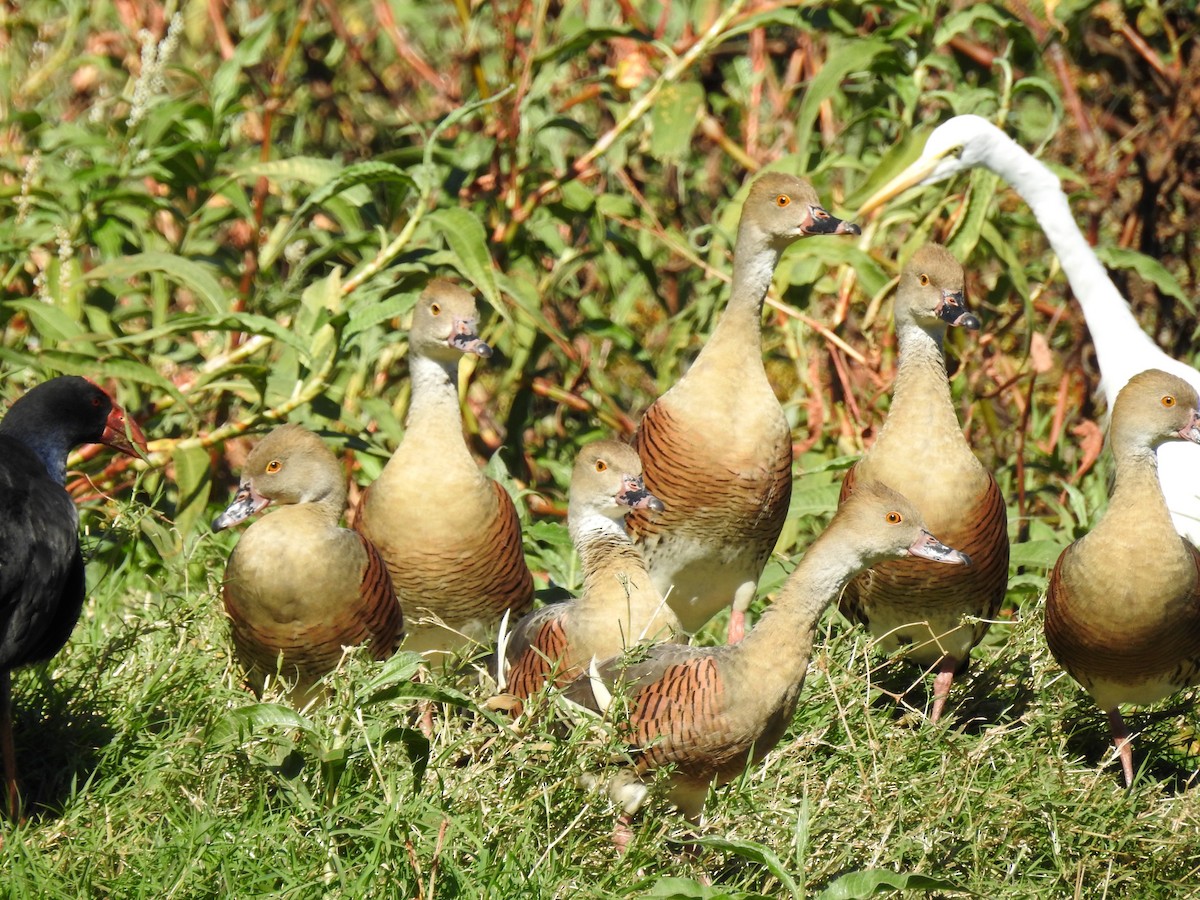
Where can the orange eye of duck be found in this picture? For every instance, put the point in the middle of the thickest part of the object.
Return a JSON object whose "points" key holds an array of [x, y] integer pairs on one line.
{"points": [[924, 279], [1168, 401], [782, 200], [274, 466], [601, 466], [436, 309], [894, 518]]}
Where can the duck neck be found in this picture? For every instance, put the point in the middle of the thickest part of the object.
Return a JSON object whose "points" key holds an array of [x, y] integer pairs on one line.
{"points": [[434, 417], [921, 400], [785, 633], [739, 330], [1137, 496], [329, 505], [1137, 537]]}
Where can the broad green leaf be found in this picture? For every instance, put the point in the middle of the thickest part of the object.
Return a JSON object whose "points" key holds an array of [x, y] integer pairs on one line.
{"points": [[309, 170], [322, 296], [786, 17], [1041, 554], [1043, 87], [754, 852], [690, 889], [970, 226], [530, 303], [419, 690], [897, 157], [51, 322], [193, 476], [82, 364], [243, 323], [365, 316], [238, 198], [576, 197], [583, 41], [354, 176], [250, 721], [808, 263], [843, 58], [1148, 268], [1078, 503], [324, 344], [271, 249], [838, 464], [256, 38], [199, 278], [965, 20], [400, 667], [496, 470], [814, 501], [873, 882], [416, 745], [164, 539], [1015, 269], [331, 180], [549, 533], [467, 240], [222, 89], [673, 120]]}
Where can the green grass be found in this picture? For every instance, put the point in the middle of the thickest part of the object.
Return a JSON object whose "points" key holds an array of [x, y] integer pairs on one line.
{"points": [[153, 773], [239, 241]]}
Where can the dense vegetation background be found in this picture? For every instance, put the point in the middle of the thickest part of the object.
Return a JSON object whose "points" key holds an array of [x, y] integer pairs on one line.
{"points": [[224, 211]]}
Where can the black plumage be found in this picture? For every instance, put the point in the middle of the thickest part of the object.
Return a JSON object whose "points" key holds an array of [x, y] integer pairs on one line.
{"points": [[41, 569]]}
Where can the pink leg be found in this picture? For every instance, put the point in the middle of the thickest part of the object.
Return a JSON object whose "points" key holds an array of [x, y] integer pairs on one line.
{"points": [[426, 721], [1123, 743], [941, 685], [12, 799], [424, 707], [737, 625], [622, 834]]}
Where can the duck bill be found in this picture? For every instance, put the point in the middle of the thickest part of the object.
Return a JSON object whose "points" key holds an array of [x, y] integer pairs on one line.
{"points": [[1191, 431], [465, 339], [953, 311], [633, 494], [820, 221], [123, 434], [929, 547], [246, 503], [910, 177]]}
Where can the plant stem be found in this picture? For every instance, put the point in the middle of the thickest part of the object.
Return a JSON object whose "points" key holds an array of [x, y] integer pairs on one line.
{"points": [[640, 107]]}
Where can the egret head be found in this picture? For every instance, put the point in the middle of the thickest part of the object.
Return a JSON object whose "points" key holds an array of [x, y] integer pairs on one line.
{"points": [[954, 146]]}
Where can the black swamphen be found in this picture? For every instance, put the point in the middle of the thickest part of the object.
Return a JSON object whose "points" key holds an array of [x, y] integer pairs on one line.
{"points": [[41, 569]]}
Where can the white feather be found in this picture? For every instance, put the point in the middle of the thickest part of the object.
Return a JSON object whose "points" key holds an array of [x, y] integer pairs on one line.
{"points": [[1122, 348]]}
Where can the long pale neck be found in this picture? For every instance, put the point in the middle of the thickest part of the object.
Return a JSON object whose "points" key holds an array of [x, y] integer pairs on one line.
{"points": [[1137, 496], [785, 633], [921, 403], [740, 325], [434, 418], [1115, 331]]}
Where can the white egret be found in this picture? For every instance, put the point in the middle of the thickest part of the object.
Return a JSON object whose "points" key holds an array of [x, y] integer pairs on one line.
{"points": [[1123, 349]]}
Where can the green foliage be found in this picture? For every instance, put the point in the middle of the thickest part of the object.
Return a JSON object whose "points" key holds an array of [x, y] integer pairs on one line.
{"points": [[229, 225]]}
